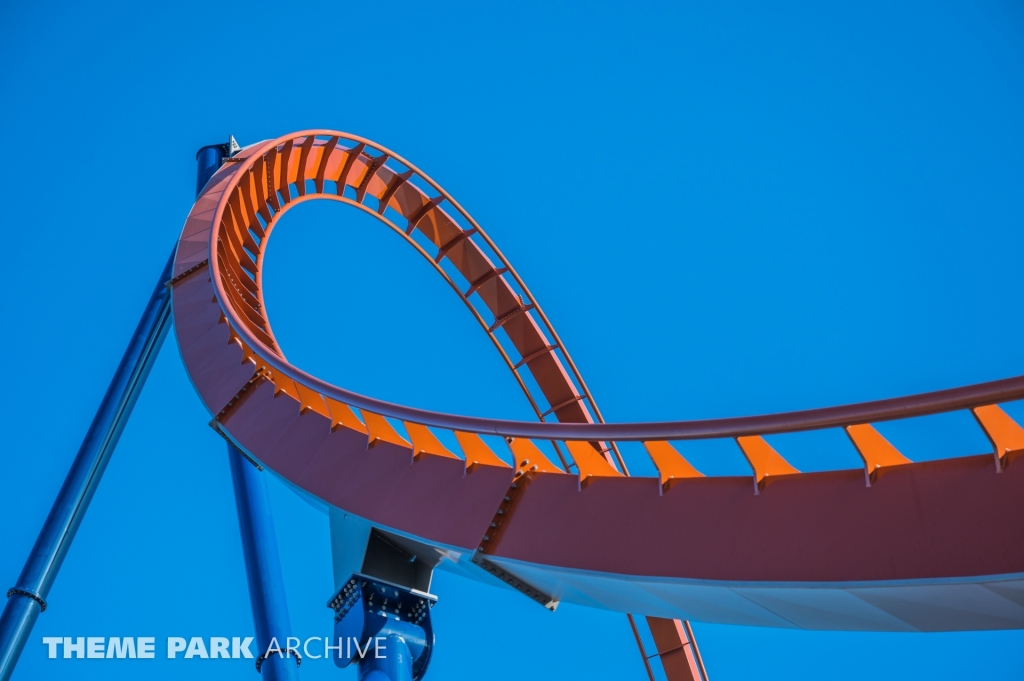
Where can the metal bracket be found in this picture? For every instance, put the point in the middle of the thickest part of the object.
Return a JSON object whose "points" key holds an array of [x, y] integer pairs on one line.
{"points": [[366, 608], [549, 602], [27, 594], [286, 652], [217, 428], [195, 268]]}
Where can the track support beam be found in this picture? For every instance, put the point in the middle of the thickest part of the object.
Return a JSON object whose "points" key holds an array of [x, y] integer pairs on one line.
{"points": [[677, 649], [263, 569], [27, 598]]}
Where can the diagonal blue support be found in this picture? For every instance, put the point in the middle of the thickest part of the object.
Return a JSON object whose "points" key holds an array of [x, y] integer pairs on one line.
{"points": [[263, 568], [27, 598]]}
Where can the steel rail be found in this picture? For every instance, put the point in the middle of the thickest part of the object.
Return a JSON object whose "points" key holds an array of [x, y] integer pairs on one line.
{"points": [[443, 196], [540, 313], [265, 187], [426, 256], [504, 261], [276, 209], [923, 404]]}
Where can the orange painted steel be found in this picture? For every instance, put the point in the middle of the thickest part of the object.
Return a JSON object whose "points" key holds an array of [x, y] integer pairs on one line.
{"points": [[670, 464], [425, 443], [810, 528], [477, 452], [765, 461], [529, 459], [590, 462], [382, 432], [677, 650], [875, 450], [1006, 436], [342, 416]]}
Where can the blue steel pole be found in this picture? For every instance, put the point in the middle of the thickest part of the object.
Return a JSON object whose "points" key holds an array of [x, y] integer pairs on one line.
{"points": [[256, 525], [208, 160], [263, 568], [394, 664], [28, 597]]}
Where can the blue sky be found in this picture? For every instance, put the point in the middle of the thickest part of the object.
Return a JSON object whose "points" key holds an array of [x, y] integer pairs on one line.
{"points": [[724, 209]]}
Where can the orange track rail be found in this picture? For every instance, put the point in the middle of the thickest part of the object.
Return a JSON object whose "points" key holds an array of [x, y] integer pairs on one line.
{"points": [[556, 528]]}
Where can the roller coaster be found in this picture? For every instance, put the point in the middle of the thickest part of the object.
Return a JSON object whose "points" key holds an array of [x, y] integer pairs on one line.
{"points": [[545, 507]]}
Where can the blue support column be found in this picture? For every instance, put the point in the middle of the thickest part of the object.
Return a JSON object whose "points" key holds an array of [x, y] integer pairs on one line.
{"points": [[384, 628], [208, 160], [28, 596], [263, 568], [393, 664], [255, 521]]}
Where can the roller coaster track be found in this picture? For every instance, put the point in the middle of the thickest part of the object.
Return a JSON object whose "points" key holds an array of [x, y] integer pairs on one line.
{"points": [[895, 546]]}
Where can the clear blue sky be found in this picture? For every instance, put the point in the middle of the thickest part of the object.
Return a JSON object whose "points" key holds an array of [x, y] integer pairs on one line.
{"points": [[737, 210]]}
